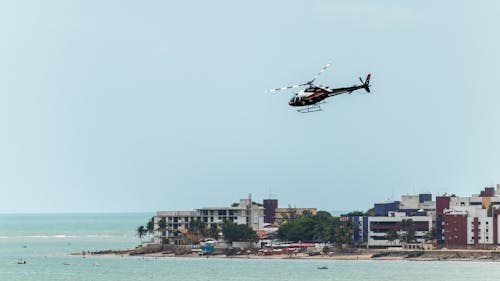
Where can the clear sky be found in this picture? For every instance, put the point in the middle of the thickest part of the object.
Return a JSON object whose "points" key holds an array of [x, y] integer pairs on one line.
{"points": [[111, 106]]}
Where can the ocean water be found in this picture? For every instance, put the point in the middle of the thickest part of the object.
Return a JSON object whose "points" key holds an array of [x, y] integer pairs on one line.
{"points": [[45, 242]]}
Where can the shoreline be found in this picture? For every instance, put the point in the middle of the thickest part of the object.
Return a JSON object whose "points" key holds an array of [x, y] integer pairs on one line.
{"points": [[365, 255]]}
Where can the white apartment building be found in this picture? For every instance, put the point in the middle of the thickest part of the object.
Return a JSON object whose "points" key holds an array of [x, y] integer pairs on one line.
{"points": [[244, 213], [478, 224], [379, 226]]}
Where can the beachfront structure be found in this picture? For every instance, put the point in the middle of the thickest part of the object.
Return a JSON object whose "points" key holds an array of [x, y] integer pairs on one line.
{"points": [[465, 227], [469, 222], [380, 226], [420, 205], [177, 222], [282, 213], [383, 209], [275, 215], [270, 206], [360, 229]]}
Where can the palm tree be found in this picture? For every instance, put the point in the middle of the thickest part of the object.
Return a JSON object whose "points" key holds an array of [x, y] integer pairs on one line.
{"points": [[409, 232], [197, 227], [162, 227], [141, 231], [150, 227]]}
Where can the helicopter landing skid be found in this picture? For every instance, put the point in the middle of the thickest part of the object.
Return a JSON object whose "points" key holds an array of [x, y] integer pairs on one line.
{"points": [[311, 108]]}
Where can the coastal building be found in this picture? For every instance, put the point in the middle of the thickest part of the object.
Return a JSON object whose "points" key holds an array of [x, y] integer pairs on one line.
{"points": [[442, 203], [454, 229], [469, 222], [420, 205], [380, 226], [281, 214], [383, 209], [177, 222], [360, 229], [275, 215], [270, 206]]}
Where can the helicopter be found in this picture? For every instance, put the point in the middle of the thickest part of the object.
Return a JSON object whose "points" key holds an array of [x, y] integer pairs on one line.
{"points": [[314, 95]]}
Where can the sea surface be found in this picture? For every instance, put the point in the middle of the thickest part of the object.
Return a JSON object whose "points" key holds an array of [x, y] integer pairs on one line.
{"points": [[45, 241]]}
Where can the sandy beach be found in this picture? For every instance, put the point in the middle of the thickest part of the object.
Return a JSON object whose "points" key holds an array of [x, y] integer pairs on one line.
{"points": [[381, 255]]}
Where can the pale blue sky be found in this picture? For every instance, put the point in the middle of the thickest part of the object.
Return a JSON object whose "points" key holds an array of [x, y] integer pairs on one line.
{"points": [[110, 106]]}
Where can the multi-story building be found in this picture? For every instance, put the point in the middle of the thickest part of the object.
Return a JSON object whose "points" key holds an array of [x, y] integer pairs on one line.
{"points": [[282, 213], [453, 229], [245, 212], [465, 222], [379, 227], [390, 213], [273, 214], [270, 206], [383, 209], [360, 229]]}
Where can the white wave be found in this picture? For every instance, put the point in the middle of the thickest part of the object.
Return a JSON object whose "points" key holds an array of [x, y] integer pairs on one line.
{"points": [[4, 237], [64, 236]]}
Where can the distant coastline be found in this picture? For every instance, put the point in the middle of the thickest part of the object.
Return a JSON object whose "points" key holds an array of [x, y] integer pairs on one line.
{"points": [[360, 254]]}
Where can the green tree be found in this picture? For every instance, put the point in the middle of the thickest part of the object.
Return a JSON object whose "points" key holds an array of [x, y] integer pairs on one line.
{"points": [[430, 235], [238, 232], [141, 231], [197, 226], [408, 234], [290, 215], [370, 212], [392, 235], [343, 232], [162, 227], [213, 231], [321, 227], [356, 213], [150, 227]]}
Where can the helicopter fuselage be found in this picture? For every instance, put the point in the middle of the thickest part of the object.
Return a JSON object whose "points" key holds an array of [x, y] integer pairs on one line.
{"points": [[308, 97], [316, 94]]}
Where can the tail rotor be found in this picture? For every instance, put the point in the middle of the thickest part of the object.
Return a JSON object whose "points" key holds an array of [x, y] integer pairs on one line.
{"points": [[366, 83]]}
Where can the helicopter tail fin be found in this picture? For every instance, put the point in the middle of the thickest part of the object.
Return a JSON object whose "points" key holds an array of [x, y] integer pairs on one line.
{"points": [[366, 84]]}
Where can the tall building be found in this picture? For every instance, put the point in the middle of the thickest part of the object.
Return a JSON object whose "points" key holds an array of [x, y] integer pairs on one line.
{"points": [[245, 212], [469, 222], [383, 209], [270, 206], [454, 229], [380, 226], [442, 203]]}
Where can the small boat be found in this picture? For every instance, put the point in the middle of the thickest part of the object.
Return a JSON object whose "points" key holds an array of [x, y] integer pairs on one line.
{"points": [[322, 267], [21, 262]]}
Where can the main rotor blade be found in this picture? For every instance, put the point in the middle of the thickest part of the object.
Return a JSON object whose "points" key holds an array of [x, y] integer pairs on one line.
{"points": [[285, 88], [319, 73]]}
